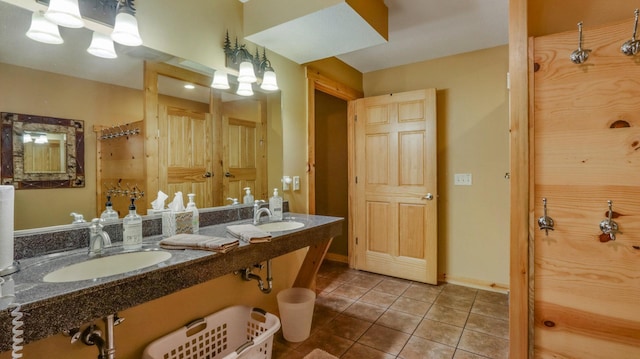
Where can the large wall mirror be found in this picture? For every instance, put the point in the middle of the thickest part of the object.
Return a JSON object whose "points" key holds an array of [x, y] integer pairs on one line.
{"points": [[64, 81]]}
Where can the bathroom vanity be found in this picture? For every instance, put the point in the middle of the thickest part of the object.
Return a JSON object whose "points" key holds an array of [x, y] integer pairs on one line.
{"points": [[51, 308]]}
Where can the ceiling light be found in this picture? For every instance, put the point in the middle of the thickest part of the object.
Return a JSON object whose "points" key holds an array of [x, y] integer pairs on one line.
{"points": [[125, 30], [64, 13], [189, 86], [102, 46], [220, 80], [43, 30], [244, 89]]}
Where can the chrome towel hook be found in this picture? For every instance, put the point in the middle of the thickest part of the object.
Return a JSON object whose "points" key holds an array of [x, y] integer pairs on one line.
{"points": [[545, 222], [631, 47], [579, 55], [608, 226]]}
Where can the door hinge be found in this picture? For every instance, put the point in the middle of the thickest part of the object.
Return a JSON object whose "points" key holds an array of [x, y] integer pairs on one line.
{"points": [[356, 179], [356, 241]]}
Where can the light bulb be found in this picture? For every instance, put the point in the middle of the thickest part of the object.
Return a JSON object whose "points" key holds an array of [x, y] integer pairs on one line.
{"points": [[43, 30], [125, 31], [64, 13], [244, 89], [102, 46], [269, 82], [220, 80], [246, 74]]}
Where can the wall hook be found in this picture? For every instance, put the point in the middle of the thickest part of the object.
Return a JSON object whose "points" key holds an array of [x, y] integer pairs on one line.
{"points": [[631, 47], [579, 55], [545, 222], [608, 226]]}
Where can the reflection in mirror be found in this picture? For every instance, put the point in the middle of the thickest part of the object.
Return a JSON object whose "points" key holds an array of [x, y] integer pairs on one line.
{"points": [[65, 81], [42, 152]]}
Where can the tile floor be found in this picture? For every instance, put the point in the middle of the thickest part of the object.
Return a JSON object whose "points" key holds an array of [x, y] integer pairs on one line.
{"points": [[368, 316]]}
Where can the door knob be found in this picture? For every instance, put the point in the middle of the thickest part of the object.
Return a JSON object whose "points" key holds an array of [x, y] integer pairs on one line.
{"points": [[207, 174], [428, 197], [228, 174]]}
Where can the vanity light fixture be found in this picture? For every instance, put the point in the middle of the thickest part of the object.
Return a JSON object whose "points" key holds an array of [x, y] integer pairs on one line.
{"points": [[43, 30], [26, 138], [64, 13], [220, 80], [102, 46], [244, 89], [250, 67], [125, 30], [41, 139]]}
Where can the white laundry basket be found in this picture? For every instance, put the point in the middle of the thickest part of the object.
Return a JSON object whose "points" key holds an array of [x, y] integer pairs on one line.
{"points": [[234, 332]]}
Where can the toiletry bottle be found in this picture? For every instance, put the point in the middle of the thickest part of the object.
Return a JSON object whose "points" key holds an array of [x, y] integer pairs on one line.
{"points": [[275, 206], [248, 197], [109, 214], [132, 225], [195, 219]]}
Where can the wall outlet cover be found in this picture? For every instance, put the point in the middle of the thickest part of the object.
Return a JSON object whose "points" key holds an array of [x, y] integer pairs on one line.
{"points": [[462, 179]]}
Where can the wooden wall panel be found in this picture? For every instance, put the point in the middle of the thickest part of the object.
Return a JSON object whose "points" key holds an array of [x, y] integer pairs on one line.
{"points": [[587, 151]]}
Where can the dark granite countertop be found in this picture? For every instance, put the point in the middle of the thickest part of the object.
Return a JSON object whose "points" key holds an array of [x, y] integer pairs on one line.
{"points": [[51, 308]]}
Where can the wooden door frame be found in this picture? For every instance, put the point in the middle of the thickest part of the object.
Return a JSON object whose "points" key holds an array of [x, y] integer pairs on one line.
{"points": [[151, 126], [317, 81], [520, 328]]}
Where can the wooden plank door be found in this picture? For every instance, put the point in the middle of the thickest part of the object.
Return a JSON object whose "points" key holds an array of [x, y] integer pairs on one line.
{"points": [[186, 154], [244, 149], [395, 200], [586, 152]]}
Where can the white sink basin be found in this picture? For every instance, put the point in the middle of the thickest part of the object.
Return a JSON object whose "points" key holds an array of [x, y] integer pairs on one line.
{"points": [[280, 226], [107, 266]]}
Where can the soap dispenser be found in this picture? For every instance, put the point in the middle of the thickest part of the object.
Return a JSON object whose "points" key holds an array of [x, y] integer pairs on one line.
{"points": [[248, 197], [195, 219], [132, 225], [109, 214], [275, 206]]}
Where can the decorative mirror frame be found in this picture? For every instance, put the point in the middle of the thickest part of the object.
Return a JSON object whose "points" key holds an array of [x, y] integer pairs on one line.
{"points": [[11, 156]]}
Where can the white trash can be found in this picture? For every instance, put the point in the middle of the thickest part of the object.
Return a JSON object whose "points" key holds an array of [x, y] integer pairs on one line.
{"points": [[296, 312]]}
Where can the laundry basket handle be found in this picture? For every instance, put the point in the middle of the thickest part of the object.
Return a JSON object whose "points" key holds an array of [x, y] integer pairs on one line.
{"points": [[244, 346]]}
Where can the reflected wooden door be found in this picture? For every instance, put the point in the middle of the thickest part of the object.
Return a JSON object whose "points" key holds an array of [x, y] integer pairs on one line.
{"points": [[186, 154], [396, 203], [244, 149]]}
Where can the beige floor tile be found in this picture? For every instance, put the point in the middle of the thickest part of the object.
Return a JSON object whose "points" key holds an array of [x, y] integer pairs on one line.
{"points": [[484, 344], [322, 316], [488, 325], [391, 286], [439, 332], [359, 351], [492, 297], [411, 306], [460, 291], [327, 285], [282, 351], [418, 348], [327, 341], [461, 354], [418, 292], [491, 310], [348, 327], [350, 291], [334, 302], [384, 339], [366, 280], [454, 301], [401, 321], [379, 298], [364, 311], [447, 315]]}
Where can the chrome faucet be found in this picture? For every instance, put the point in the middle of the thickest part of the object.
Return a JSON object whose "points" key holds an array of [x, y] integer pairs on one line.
{"points": [[98, 238], [257, 211]]}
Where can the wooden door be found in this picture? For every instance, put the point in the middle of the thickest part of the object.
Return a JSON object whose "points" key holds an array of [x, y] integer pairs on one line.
{"points": [[186, 154], [244, 149], [395, 199], [586, 152]]}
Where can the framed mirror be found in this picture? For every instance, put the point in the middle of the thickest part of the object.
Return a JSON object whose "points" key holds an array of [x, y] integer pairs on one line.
{"points": [[42, 152]]}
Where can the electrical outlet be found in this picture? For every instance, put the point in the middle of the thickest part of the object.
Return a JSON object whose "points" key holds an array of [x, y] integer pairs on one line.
{"points": [[296, 183], [286, 180], [462, 179]]}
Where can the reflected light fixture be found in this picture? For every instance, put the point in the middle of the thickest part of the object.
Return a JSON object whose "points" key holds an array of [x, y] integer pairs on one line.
{"points": [[189, 86], [102, 46], [220, 80], [269, 81], [125, 30], [244, 89], [246, 74], [26, 138], [250, 67], [41, 139], [64, 13], [43, 30]]}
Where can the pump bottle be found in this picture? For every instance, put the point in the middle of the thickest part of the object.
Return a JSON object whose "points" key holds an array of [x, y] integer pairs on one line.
{"points": [[195, 219], [275, 206], [132, 225], [109, 214], [248, 197]]}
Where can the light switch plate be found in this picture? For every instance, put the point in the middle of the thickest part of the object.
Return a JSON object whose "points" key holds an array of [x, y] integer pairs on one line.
{"points": [[462, 179], [296, 183], [286, 180]]}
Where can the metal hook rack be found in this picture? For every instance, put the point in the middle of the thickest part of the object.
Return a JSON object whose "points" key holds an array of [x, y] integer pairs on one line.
{"points": [[132, 192], [119, 131]]}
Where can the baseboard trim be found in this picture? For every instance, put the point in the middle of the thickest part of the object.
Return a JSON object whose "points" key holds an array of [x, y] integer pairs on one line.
{"points": [[336, 257], [474, 283]]}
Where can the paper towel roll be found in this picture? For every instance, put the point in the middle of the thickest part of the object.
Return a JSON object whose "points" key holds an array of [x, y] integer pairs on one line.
{"points": [[6, 226]]}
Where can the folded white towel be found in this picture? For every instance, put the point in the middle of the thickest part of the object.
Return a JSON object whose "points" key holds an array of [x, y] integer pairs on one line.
{"points": [[249, 233], [195, 241]]}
